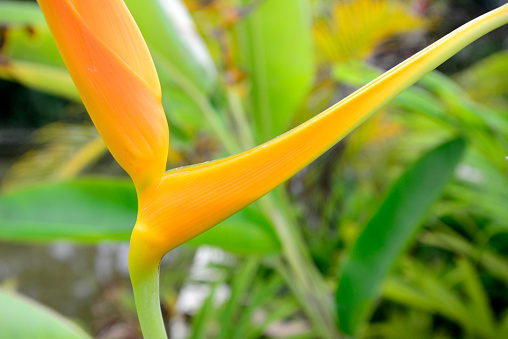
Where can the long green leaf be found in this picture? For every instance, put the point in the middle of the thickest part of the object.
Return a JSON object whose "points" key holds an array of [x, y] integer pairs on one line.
{"points": [[169, 30], [97, 209], [201, 322], [390, 231], [277, 54], [22, 318], [86, 210]]}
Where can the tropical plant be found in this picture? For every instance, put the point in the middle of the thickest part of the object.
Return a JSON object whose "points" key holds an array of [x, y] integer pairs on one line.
{"points": [[112, 69]]}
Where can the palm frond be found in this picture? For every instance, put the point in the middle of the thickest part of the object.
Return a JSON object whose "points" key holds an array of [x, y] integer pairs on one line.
{"points": [[63, 151], [356, 27]]}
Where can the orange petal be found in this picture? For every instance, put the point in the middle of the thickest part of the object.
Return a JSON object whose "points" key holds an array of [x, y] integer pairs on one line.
{"points": [[117, 83]]}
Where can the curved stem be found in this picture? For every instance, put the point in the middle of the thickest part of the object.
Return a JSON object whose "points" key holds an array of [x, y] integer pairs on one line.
{"points": [[146, 295], [144, 273]]}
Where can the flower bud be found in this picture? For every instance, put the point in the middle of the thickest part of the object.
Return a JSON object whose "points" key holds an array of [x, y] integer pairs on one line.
{"points": [[111, 67]]}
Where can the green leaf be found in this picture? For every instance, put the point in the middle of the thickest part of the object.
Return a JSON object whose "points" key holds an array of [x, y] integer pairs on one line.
{"points": [[97, 209], [240, 283], [479, 304], [424, 289], [26, 35], [455, 293], [390, 231], [28, 53], [85, 210], [169, 30], [482, 80], [23, 318], [246, 232], [202, 321], [275, 48], [489, 260]]}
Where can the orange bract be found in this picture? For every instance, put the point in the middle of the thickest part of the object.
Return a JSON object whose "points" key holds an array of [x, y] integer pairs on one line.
{"points": [[188, 201], [116, 79]]}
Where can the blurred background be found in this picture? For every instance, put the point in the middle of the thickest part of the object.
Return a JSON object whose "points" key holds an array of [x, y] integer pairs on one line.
{"points": [[214, 58]]}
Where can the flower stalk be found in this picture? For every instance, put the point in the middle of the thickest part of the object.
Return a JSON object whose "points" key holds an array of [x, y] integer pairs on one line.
{"points": [[144, 273]]}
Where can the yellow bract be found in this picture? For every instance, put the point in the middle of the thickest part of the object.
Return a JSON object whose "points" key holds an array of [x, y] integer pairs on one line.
{"points": [[112, 69]]}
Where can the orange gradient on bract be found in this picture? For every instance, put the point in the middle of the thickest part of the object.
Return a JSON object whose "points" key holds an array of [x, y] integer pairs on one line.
{"points": [[113, 71]]}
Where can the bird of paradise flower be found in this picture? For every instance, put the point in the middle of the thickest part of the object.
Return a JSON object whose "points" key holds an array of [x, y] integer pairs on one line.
{"points": [[112, 69]]}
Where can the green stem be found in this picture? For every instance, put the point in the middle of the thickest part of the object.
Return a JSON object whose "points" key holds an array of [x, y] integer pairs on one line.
{"points": [[217, 124], [146, 295], [240, 118], [307, 283], [211, 115], [144, 273]]}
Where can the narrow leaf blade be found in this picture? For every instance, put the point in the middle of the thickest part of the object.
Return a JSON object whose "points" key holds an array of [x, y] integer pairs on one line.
{"points": [[169, 30], [278, 56], [390, 231]]}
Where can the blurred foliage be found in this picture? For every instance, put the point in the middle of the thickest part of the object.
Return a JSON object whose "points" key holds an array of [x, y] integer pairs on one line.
{"points": [[355, 28], [264, 45], [369, 260], [234, 74], [16, 311], [482, 83], [65, 151]]}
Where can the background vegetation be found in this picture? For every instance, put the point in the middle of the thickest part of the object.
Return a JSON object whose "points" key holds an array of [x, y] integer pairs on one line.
{"points": [[403, 224]]}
